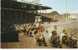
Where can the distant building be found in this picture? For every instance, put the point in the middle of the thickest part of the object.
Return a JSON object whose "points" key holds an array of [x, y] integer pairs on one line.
{"points": [[53, 16]]}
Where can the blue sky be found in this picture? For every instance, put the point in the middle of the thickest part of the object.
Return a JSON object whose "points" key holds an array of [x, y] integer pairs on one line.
{"points": [[62, 5]]}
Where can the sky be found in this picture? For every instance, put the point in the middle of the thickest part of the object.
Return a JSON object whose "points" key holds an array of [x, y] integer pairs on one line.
{"points": [[62, 6]]}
